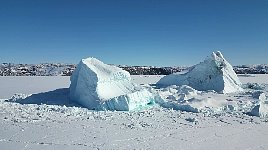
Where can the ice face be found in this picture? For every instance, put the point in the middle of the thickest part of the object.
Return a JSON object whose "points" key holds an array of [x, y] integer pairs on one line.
{"points": [[214, 73], [96, 85]]}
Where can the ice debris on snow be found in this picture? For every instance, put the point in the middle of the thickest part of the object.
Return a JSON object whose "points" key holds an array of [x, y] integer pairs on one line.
{"points": [[96, 85], [185, 98], [214, 73], [18, 96], [254, 86]]}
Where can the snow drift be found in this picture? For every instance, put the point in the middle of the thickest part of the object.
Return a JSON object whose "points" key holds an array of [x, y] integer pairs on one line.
{"points": [[96, 85], [214, 73]]}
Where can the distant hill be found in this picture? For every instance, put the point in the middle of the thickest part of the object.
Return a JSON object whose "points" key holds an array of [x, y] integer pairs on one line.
{"points": [[60, 69]]}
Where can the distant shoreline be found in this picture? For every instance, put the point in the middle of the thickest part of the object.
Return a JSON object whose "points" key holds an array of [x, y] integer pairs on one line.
{"points": [[60, 69]]}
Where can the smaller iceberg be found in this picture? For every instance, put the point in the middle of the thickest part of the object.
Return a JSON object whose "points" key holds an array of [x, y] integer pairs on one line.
{"points": [[214, 73], [99, 86]]}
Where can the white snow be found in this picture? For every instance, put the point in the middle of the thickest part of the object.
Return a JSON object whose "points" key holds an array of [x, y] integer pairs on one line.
{"points": [[215, 73], [9, 85], [96, 85], [146, 79]]}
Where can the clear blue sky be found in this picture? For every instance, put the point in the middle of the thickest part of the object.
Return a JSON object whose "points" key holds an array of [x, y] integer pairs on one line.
{"points": [[133, 32]]}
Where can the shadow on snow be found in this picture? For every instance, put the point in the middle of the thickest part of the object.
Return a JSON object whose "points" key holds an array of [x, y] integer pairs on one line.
{"points": [[56, 97]]}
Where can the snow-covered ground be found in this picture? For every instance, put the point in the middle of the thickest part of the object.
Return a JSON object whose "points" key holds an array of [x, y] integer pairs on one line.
{"points": [[48, 120], [10, 85]]}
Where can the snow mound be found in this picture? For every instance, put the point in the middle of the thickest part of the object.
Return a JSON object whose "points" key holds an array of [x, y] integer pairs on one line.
{"points": [[96, 85], [214, 73]]}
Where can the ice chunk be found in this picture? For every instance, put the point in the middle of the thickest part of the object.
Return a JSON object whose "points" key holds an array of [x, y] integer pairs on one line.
{"points": [[214, 73], [261, 110], [96, 85]]}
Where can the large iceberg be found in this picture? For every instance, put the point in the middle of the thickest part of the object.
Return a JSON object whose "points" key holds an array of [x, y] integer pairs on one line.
{"points": [[99, 86], [214, 73]]}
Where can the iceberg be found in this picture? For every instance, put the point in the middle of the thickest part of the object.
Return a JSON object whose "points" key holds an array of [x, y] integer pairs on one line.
{"points": [[214, 73], [99, 86]]}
